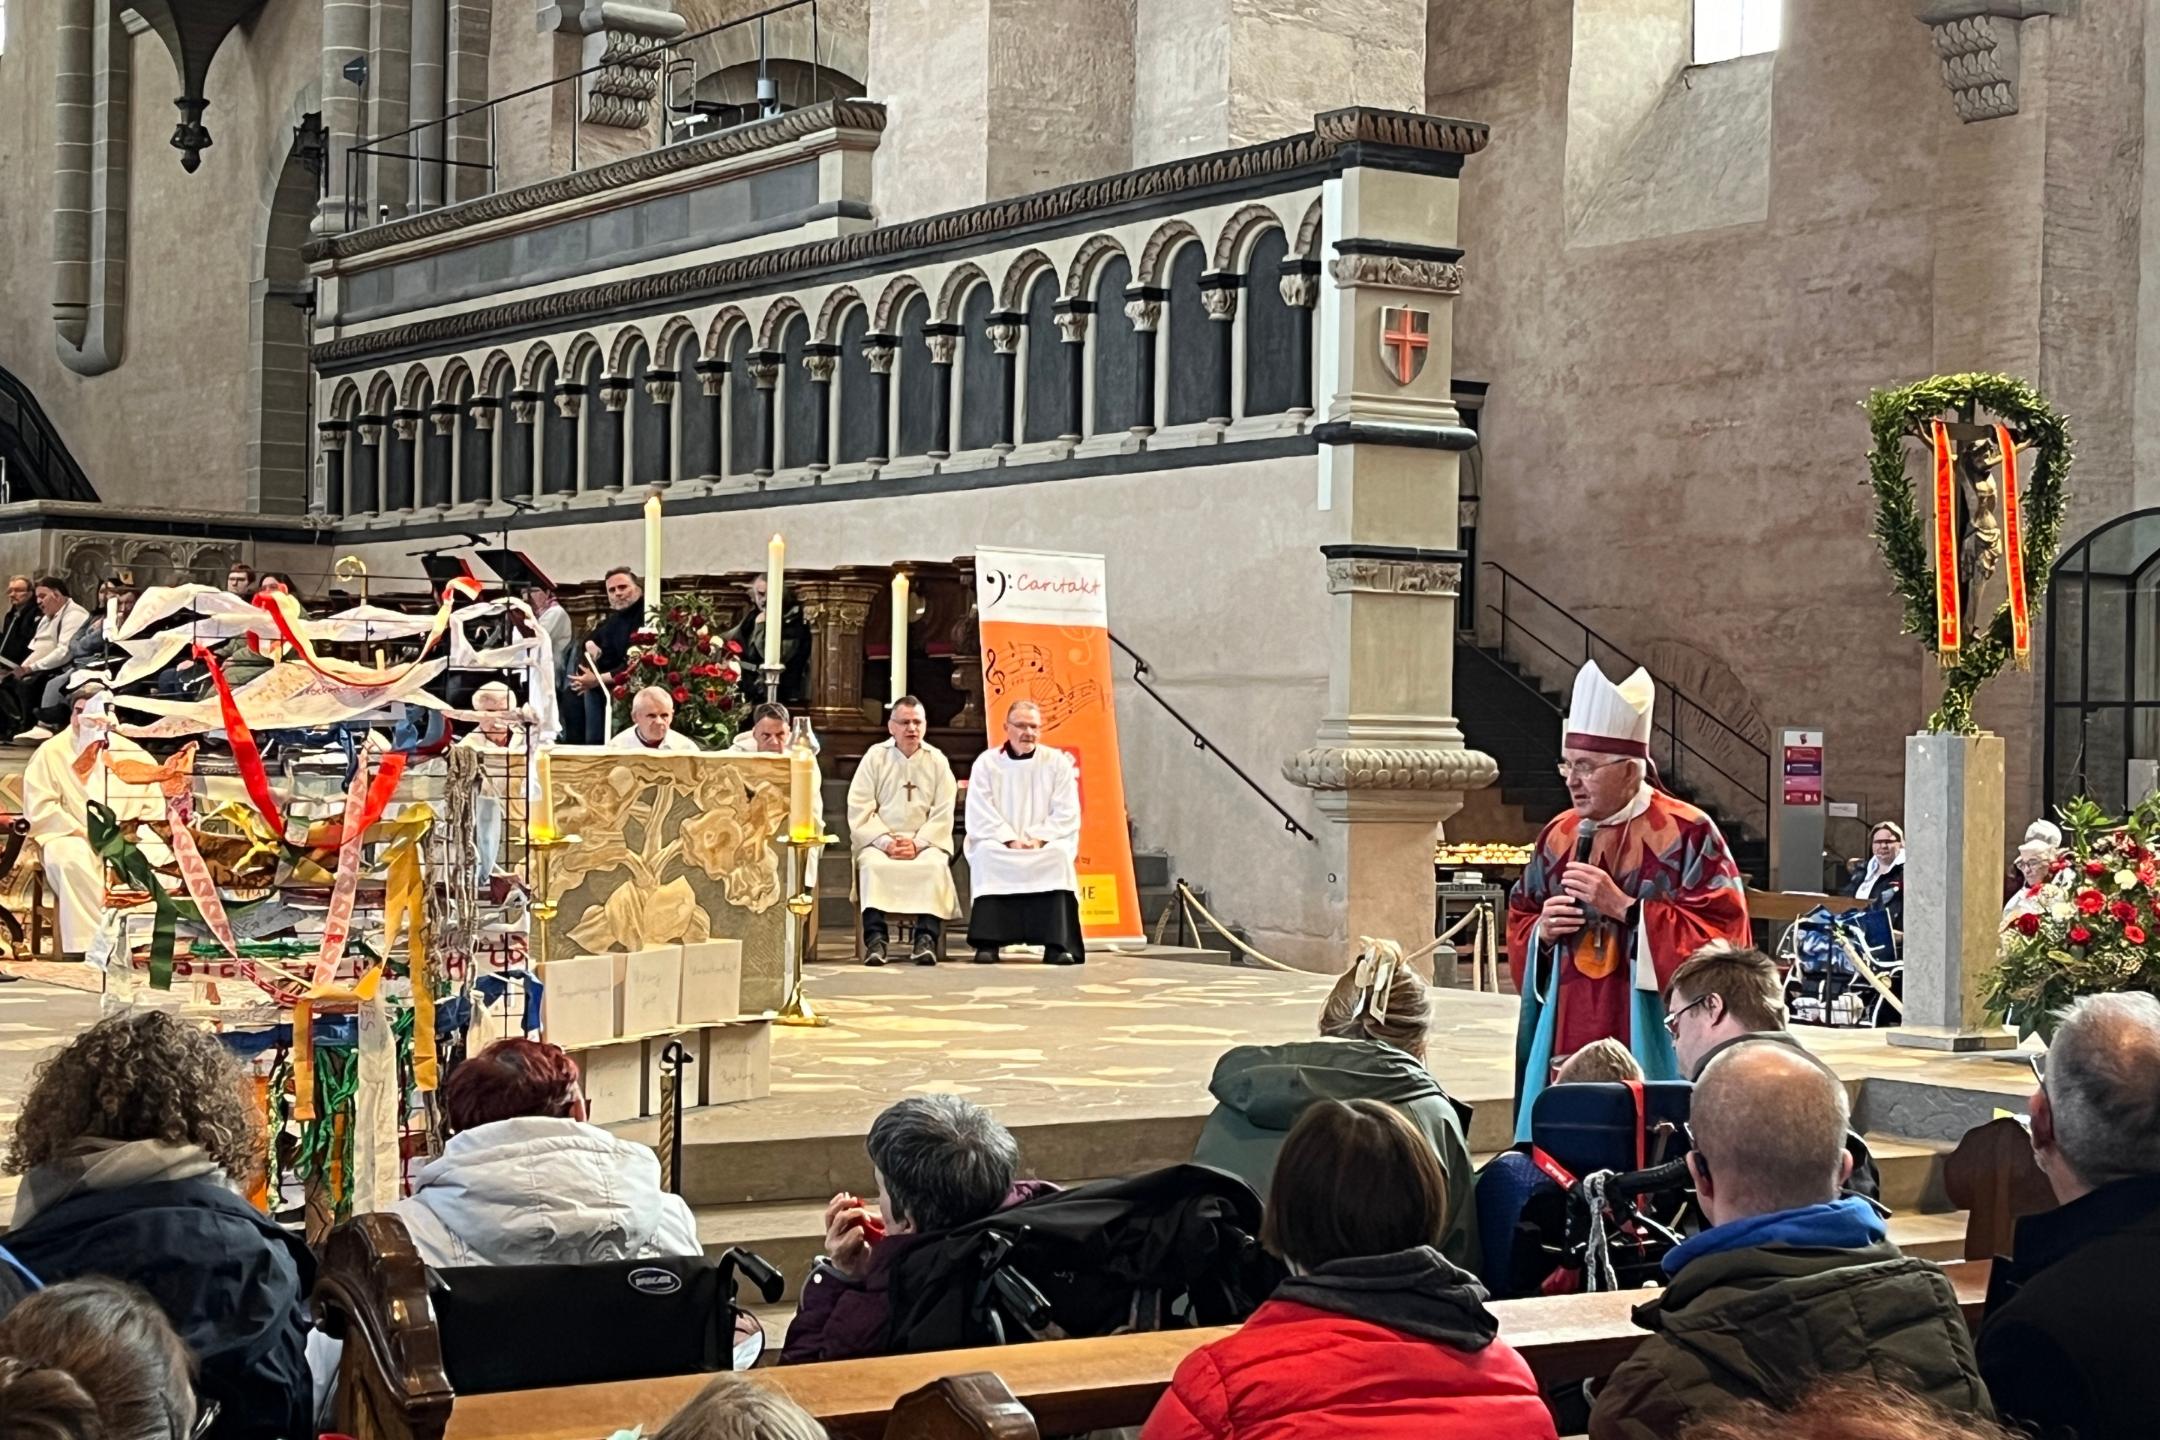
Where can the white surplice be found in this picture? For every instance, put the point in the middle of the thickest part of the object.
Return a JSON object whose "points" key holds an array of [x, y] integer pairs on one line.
{"points": [[675, 743], [56, 801], [911, 796], [1037, 798]]}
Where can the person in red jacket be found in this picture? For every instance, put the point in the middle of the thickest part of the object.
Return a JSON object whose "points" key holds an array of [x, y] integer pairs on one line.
{"points": [[1375, 1333]]}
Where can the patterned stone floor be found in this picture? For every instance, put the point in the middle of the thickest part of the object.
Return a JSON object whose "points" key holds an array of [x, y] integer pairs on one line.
{"points": [[35, 1020]]}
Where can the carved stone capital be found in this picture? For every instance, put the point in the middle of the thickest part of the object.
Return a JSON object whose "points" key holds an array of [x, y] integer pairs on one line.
{"points": [[625, 41], [615, 394], [1977, 41], [941, 347], [483, 414], [765, 370], [445, 418], [1300, 291], [1396, 272], [660, 386], [880, 354], [1359, 575], [1390, 768], [1072, 326], [1220, 296], [369, 428], [569, 400], [711, 376], [1145, 315], [525, 406], [407, 425], [819, 365], [330, 436], [1004, 334]]}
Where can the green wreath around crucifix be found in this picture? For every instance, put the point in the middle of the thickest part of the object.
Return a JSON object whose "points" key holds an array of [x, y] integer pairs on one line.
{"points": [[1896, 416]]}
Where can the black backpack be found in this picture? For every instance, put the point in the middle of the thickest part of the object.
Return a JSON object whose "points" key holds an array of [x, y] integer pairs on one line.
{"points": [[1165, 1250]]}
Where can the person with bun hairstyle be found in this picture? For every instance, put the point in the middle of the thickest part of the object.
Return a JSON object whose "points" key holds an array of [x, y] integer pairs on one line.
{"points": [[1374, 1334], [95, 1360], [524, 1180], [1371, 1047], [132, 1145]]}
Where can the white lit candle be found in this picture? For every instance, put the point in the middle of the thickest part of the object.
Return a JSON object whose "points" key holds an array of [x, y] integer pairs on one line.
{"points": [[775, 563], [802, 786], [543, 812], [899, 636], [652, 555]]}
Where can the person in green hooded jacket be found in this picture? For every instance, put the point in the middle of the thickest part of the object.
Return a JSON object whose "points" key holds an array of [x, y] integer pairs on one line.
{"points": [[1371, 1047]]}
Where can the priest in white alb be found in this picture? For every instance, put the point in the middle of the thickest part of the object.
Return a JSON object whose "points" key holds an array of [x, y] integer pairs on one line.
{"points": [[1023, 842], [652, 722], [900, 820], [63, 776]]}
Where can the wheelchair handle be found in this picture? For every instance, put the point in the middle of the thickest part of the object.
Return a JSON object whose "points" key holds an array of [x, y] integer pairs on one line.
{"points": [[755, 1269], [1644, 1182]]}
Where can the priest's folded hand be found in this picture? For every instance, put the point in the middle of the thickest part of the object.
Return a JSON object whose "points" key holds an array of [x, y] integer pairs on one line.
{"points": [[1559, 918], [1594, 888]]}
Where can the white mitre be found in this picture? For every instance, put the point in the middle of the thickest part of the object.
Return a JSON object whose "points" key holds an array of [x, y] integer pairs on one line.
{"points": [[1611, 719]]}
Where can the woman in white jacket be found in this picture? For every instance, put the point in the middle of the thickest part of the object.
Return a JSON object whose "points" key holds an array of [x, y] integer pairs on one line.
{"points": [[525, 1181]]}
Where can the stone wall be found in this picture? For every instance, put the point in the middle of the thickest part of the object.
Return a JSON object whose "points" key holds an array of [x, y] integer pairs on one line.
{"points": [[1235, 630], [175, 417]]}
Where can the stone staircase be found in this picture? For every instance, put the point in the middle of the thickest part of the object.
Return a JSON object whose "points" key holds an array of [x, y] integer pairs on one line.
{"points": [[1507, 713]]}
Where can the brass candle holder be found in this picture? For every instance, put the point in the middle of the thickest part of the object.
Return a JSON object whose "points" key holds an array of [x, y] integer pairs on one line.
{"points": [[543, 844], [801, 902]]}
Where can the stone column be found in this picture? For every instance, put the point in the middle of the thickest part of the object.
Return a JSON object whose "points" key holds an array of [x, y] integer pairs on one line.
{"points": [[404, 459], [388, 179], [344, 40], [615, 400], [469, 143], [837, 610], [329, 498], [660, 390], [1388, 763], [518, 481], [439, 461], [1953, 905], [1004, 330], [366, 479], [429, 87], [879, 350], [765, 373], [818, 361], [1300, 284], [1072, 324], [712, 393], [476, 472], [569, 402], [1144, 306], [1219, 293], [942, 340]]}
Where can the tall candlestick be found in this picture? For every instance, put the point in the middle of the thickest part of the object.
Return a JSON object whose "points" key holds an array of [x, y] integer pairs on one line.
{"points": [[802, 785], [543, 807], [652, 555], [899, 636], [775, 563]]}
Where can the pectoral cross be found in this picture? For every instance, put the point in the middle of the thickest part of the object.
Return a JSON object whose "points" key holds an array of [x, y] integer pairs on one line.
{"points": [[909, 787]]}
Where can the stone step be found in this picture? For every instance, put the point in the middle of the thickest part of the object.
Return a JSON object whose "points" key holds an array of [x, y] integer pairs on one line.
{"points": [[1912, 1174], [1937, 1236]]}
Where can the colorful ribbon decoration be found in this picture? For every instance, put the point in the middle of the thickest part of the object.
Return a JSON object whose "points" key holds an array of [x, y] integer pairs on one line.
{"points": [[405, 905], [345, 673], [2014, 552], [246, 753], [1949, 610]]}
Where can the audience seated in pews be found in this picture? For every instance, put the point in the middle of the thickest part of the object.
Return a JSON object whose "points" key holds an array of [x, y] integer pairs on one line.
{"points": [[1791, 1281], [1722, 996], [734, 1408], [2067, 1343], [1375, 1333], [1601, 1062], [1847, 1410], [1373, 1030], [95, 1360], [131, 1144], [524, 1180], [940, 1161]]}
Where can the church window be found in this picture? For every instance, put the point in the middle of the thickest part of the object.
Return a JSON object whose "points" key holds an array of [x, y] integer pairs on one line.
{"points": [[1728, 29]]}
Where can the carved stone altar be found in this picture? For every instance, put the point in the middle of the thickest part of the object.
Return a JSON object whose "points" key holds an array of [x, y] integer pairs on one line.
{"points": [[672, 848]]}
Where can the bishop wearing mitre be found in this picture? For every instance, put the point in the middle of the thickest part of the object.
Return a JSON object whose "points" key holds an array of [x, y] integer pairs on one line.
{"points": [[1622, 887], [1023, 845], [900, 820]]}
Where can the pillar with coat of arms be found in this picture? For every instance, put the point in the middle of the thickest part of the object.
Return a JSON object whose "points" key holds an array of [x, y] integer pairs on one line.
{"points": [[1388, 765]]}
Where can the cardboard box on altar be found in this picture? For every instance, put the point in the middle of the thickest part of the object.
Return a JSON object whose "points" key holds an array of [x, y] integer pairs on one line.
{"points": [[673, 850], [617, 1014]]}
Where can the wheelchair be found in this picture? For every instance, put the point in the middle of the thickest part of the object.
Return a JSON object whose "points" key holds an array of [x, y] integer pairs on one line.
{"points": [[1827, 958]]}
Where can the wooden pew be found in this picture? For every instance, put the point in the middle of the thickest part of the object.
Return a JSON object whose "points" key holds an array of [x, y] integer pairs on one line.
{"points": [[1066, 1387], [1993, 1177]]}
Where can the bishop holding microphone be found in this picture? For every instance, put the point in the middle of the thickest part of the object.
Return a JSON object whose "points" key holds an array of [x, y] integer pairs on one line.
{"points": [[1623, 886]]}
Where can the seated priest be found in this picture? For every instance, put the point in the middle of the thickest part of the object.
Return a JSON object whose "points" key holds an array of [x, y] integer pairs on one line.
{"points": [[1023, 838], [900, 814], [768, 734], [652, 717], [64, 775]]}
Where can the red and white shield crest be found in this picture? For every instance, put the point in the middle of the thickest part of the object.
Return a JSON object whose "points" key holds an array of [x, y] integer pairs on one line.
{"points": [[1405, 336]]}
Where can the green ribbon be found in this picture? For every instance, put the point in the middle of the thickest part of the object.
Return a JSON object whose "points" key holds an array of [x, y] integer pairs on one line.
{"points": [[125, 856]]}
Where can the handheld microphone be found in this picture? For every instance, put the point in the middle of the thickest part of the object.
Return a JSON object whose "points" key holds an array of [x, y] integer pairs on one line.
{"points": [[1585, 833]]}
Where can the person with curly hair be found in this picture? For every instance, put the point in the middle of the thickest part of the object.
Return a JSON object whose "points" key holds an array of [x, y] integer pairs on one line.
{"points": [[1847, 1409], [132, 1145], [94, 1360]]}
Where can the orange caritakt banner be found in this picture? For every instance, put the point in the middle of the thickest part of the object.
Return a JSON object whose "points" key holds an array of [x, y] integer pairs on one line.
{"points": [[1949, 634], [1046, 638], [2014, 552]]}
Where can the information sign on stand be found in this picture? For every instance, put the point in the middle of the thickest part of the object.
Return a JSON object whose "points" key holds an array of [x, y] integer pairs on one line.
{"points": [[1796, 854]]}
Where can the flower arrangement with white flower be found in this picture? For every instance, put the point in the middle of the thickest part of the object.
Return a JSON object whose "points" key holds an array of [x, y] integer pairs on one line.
{"points": [[2099, 930]]}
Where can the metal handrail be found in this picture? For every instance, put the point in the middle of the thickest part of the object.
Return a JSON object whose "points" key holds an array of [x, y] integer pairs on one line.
{"points": [[29, 436], [1679, 705], [371, 145], [1141, 671]]}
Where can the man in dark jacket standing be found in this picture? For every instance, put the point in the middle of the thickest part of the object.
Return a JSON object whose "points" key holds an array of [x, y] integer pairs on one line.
{"points": [[1790, 1283], [599, 665], [2067, 1343]]}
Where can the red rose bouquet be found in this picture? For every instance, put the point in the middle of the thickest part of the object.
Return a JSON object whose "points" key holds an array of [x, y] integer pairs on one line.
{"points": [[2090, 929], [682, 650]]}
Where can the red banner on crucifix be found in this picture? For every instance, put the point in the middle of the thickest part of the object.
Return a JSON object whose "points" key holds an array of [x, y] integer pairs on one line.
{"points": [[1949, 632], [2014, 551]]}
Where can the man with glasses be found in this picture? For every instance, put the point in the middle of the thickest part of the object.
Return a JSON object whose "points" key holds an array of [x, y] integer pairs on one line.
{"points": [[2066, 1345], [1593, 943]]}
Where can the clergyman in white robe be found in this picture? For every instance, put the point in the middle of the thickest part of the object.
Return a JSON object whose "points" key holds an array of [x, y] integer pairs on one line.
{"points": [[672, 743], [900, 823], [1023, 839], [56, 801]]}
